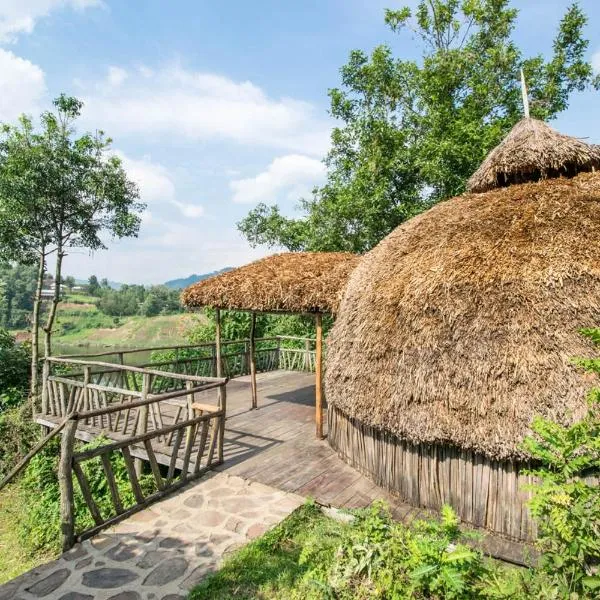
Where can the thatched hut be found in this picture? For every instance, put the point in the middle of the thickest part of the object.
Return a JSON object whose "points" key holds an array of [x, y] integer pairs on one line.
{"points": [[461, 325], [291, 282], [307, 283]]}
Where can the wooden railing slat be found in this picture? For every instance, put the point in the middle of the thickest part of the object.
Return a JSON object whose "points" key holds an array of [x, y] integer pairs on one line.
{"points": [[87, 494], [174, 455], [154, 464], [112, 483], [133, 480]]}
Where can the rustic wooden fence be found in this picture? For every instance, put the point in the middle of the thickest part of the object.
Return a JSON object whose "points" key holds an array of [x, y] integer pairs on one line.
{"points": [[144, 403], [278, 352], [146, 416]]}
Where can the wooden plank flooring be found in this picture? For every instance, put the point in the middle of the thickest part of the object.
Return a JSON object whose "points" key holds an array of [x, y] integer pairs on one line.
{"points": [[276, 444]]}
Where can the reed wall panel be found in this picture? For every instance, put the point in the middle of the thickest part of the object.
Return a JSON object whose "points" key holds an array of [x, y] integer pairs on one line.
{"points": [[485, 493]]}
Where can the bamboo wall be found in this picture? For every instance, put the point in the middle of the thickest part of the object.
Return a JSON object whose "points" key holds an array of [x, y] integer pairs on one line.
{"points": [[483, 492]]}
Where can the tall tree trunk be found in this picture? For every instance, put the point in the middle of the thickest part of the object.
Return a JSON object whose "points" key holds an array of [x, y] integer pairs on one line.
{"points": [[35, 324], [55, 300]]}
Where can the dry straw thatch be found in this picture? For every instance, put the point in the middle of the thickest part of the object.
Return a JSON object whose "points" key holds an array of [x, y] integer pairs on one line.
{"points": [[530, 152], [293, 282], [460, 326]]}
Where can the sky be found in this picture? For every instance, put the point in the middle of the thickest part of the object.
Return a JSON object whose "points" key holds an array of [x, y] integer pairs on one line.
{"points": [[214, 107]]}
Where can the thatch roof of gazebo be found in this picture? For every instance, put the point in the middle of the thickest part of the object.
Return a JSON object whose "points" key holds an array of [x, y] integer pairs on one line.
{"points": [[462, 324], [532, 151], [293, 282]]}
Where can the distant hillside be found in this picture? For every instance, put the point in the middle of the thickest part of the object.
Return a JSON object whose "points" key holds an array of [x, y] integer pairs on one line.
{"points": [[178, 284]]}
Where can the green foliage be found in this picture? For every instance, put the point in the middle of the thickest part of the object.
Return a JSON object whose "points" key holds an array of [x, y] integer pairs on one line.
{"points": [[17, 288], [566, 499], [271, 566], [18, 434], [14, 370], [312, 557], [411, 132], [39, 525], [236, 326], [93, 287], [137, 299]]}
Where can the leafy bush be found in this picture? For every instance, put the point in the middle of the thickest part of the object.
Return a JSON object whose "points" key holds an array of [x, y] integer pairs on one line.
{"points": [[15, 360], [18, 434], [566, 497], [380, 558]]}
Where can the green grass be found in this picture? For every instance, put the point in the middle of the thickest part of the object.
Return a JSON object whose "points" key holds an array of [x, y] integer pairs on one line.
{"points": [[271, 567], [14, 558]]}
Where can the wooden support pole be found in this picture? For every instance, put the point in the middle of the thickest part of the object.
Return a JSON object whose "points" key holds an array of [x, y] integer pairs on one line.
{"points": [[218, 358], [65, 482], [253, 360], [142, 423], [319, 376], [45, 375]]}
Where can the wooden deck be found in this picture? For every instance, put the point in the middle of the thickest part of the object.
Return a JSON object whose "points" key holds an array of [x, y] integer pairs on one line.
{"points": [[276, 445]]}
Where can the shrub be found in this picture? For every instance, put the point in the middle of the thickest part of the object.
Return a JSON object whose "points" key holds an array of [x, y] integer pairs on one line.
{"points": [[566, 497], [387, 560], [15, 361], [18, 433]]}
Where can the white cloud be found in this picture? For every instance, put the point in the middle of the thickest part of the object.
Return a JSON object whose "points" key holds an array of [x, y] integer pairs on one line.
{"points": [[192, 211], [293, 175], [156, 186], [175, 102], [22, 86], [153, 179], [596, 62], [116, 76], [20, 16]]}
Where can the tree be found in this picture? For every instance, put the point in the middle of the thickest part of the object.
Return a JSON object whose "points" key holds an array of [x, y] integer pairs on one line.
{"points": [[411, 132], [69, 282], [59, 191], [93, 287]]}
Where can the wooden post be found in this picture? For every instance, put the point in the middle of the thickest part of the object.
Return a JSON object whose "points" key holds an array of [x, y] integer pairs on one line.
{"points": [[218, 343], [87, 401], [278, 360], [253, 360], [122, 373], [319, 376], [142, 424], [45, 375], [307, 355], [65, 482], [223, 402]]}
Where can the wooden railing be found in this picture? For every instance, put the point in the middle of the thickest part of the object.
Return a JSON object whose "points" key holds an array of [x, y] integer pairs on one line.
{"points": [[277, 352], [195, 444], [147, 415]]}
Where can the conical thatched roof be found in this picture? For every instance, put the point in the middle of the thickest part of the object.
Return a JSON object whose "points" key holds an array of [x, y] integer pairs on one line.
{"points": [[530, 152], [460, 326], [293, 282]]}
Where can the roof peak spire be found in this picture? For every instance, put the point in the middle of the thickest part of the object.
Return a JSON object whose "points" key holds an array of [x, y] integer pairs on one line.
{"points": [[524, 95]]}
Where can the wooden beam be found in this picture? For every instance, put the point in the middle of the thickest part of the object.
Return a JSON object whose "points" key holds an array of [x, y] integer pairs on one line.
{"points": [[319, 377], [218, 357], [65, 482], [253, 360]]}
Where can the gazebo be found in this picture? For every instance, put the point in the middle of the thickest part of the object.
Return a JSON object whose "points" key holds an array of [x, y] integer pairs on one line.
{"points": [[461, 326], [302, 283]]}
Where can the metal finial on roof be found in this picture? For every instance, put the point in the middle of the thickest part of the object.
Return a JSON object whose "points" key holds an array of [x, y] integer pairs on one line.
{"points": [[524, 93]]}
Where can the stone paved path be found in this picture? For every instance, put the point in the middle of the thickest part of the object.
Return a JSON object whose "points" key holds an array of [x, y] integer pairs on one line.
{"points": [[163, 551]]}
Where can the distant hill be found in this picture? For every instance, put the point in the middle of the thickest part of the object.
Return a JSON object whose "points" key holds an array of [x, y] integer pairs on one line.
{"points": [[178, 284]]}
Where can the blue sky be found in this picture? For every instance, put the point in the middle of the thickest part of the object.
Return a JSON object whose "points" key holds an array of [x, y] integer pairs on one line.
{"points": [[214, 106]]}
